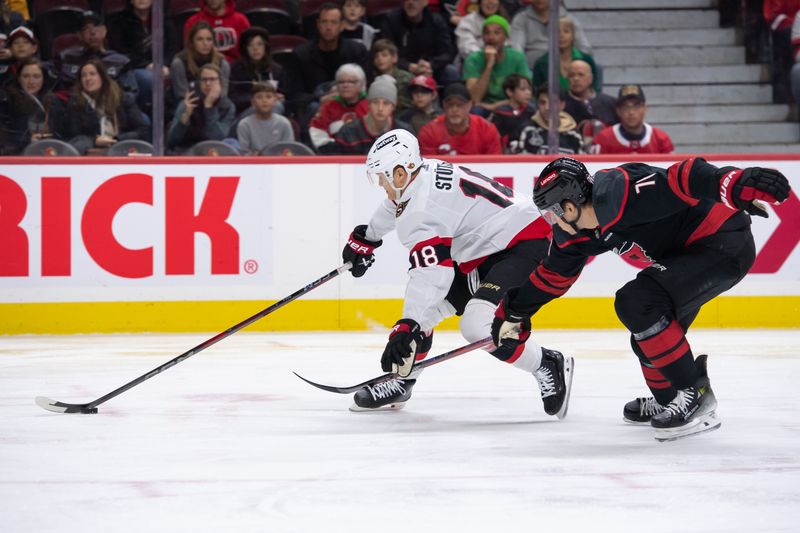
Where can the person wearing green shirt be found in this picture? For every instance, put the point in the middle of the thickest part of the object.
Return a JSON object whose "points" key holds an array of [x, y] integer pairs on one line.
{"points": [[567, 53], [485, 70]]}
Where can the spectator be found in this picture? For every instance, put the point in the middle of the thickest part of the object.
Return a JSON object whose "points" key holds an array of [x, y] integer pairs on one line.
{"points": [[92, 35], [198, 51], [530, 34], [255, 65], [348, 104], [457, 132], [227, 25], [567, 53], [357, 136], [263, 128], [384, 59], [28, 110], [19, 7], [424, 103], [510, 116], [583, 101], [315, 63], [780, 16], [130, 35], [632, 135], [213, 119], [423, 41], [795, 72], [9, 19], [24, 46], [469, 32], [355, 28], [485, 71], [99, 113], [532, 138]]}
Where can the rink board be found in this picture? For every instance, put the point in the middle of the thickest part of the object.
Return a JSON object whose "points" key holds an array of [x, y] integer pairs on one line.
{"points": [[192, 244]]}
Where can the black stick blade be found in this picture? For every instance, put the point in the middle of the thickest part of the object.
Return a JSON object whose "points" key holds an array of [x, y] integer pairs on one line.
{"points": [[60, 407], [347, 390]]}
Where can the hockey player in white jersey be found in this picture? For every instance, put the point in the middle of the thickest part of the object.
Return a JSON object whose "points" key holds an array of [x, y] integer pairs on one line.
{"points": [[469, 242]]}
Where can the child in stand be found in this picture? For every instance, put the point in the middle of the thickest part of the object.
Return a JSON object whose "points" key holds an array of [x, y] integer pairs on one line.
{"points": [[384, 58], [424, 103], [510, 116], [355, 28]]}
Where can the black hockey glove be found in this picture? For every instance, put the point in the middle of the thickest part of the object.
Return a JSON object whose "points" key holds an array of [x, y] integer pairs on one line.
{"points": [[745, 189], [510, 330], [359, 251], [403, 341]]}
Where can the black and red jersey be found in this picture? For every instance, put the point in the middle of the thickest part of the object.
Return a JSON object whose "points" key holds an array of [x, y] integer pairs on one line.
{"points": [[645, 213]]}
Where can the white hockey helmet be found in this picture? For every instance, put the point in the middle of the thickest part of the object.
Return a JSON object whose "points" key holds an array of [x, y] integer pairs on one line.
{"points": [[395, 148]]}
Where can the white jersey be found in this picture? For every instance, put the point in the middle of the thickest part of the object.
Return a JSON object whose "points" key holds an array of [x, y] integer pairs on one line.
{"points": [[449, 214]]}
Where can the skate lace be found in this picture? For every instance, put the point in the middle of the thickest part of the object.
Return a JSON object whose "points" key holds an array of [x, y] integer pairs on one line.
{"points": [[386, 389], [546, 382], [649, 406], [680, 404]]}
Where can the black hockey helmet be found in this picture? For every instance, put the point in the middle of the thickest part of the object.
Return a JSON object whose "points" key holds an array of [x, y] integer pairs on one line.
{"points": [[562, 179]]}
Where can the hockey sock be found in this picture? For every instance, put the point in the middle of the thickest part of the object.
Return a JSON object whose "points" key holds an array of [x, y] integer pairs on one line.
{"points": [[477, 320], [659, 386], [665, 346]]}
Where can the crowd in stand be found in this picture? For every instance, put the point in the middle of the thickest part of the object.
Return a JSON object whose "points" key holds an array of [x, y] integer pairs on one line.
{"points": [[466, 76]]}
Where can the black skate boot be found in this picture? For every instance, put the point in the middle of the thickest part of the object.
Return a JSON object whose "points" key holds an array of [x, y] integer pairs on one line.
{"points": [[389, 395], [641, 410], [692, 411], [555, 382]]}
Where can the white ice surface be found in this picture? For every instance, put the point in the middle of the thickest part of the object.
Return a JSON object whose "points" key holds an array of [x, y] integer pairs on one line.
{"points": [[231, 441]]}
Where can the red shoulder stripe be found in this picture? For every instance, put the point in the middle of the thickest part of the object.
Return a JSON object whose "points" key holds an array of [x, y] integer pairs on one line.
{"points": [[678, 179]]}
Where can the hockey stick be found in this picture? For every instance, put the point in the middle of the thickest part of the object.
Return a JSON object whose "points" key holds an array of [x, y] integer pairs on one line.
{"points": [[418, 367], [91, 407]]}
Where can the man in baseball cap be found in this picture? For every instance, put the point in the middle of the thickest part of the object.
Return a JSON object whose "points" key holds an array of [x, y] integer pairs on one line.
{"points": [[457, 131], [632, 135]]}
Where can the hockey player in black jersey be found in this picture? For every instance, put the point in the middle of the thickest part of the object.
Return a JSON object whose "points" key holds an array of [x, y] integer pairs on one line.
{"points": [[691, 223]]}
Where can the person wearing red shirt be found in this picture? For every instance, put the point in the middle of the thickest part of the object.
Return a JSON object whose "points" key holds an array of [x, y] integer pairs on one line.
{"points": [[227, 23], [632, 135], [457, 132]]}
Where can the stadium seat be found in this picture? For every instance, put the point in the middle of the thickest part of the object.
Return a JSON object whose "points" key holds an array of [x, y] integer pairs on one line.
{"points": [[56, 17], [179, 12], [50, 147], [212, 148], [308, 16], [272, 15], [132, 147], [281, 46], [287, 148], [377, 9], [65, 41], [112, 7]]}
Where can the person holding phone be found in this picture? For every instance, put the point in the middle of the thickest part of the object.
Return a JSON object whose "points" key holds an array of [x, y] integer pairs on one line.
{"points": [[203, 114]]}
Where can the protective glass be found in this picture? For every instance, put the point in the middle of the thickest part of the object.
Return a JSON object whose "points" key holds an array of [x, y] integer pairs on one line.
{"points": [[552, 213]]}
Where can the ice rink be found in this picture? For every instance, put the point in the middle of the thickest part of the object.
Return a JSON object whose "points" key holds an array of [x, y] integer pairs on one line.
{"points": [[231, 441]]}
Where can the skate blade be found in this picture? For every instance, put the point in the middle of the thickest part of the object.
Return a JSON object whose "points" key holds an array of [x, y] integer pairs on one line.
{"points": [[569, 365], [636, 422], [704, 424], [395, 406]]}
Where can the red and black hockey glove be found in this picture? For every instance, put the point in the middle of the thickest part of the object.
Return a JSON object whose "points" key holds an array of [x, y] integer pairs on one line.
{"points": [[745, 189], [510, 330], [359, 251], [402, 346]]}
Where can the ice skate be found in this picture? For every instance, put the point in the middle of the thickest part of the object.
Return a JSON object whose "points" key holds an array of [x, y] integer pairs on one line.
{"points": [[641, 410], [389, 395], [692, 411], [555, 382]]}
